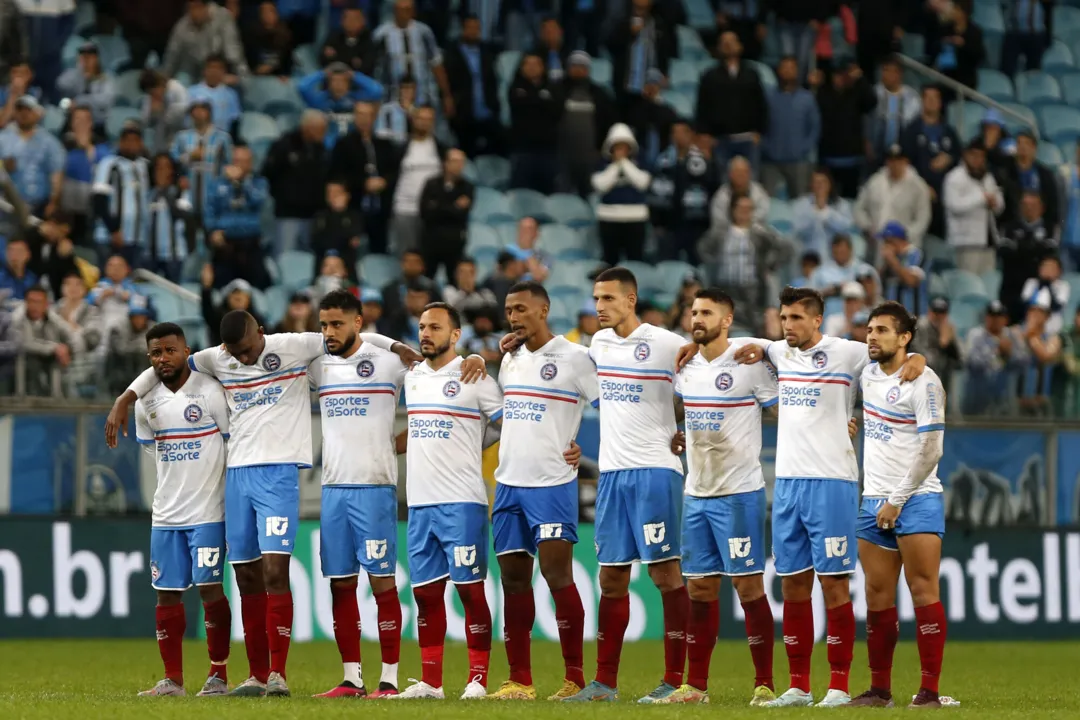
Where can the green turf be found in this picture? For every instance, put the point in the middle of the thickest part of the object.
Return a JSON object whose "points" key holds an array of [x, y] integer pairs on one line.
{"points": [[99, 679]]}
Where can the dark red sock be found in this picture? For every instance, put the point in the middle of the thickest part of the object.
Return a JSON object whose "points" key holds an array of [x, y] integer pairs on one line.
{"points": [[760, 629], [279, 617], [477, 630], [701, 634], [171, 623], [932, 627], [676, 614], [256, 643], [389, 608], [431, 630], [217, 619], [882, 632], [840, 636], [346, 621], [611, 624], [520, 614], [570, 617], [799, 641]]}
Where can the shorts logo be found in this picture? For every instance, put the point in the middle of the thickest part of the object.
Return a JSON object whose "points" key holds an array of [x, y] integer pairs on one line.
{"points": [[836, 547], [654, 533], [893, 395], [276, 526], [549, 371], [550, 531], [820, 359], [738, 547], [376, 549], [365, 369], [208, 557], [724, 381], [272, 362], [155, 573], [464, 555], [642, 352], [193, 413], [451, 389]]}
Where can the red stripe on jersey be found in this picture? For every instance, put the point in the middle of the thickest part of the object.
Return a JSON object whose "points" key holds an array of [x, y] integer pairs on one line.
{"points": [[356, 392], [749, 403], [827, 381], [444, 412], [299, 374], [886, 418], [571, 400], [635, 377], [186, 437]]}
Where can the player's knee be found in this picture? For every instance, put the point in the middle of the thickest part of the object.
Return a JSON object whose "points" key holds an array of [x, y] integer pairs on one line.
{"points": [[557, 575], [515, 585], [166, 598], [703, 590], [249, 578], [614, 585], [749, 588], [797, 588], [924, 590], [276, 577], [836, 590], [666, 576], [211, 593]]}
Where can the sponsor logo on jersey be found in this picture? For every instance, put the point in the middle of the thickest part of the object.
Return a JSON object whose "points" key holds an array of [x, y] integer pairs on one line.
{"points": [[738, 547], [836, 547], [365, 368], [272, 362], [724, 381], [654, 533], [893, 395], [549, 371], [208, 557], [464, 555], [642, 352], [276, 526], [550, 531], [193, 413], [820, 359], [376, 549], [451, 389]]}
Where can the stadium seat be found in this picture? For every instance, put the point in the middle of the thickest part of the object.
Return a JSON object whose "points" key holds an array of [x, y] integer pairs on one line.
{"points": [[765, 73], [561, 327], [569, 210], [963, 285], [257, 126], [682, 103], [1070, 87], [1066, 21], [601, 72], [276, 300], [682, 71], [966, 314], [54, 120], [1058, 55], [114, 52], [648, 279], [780, 212], [563, 242], [687, 38], [996, 85], [490, 206], [287, 121], [937, 285], [572, 274], [507, 232], [1035, 85], [166, 303], [296, 269], [672, 273], [1059, 123], [127, 89], [1049, 154], [261, 91], [376, 270], [992, 41], [485, 258], [992, 283], [1068, 150], [194, 331], [989, 17], [506, 65], [305, 60], [939, 254], [494, 171], [1023, 111], [114, 121], [528, 203], [913, 45]]}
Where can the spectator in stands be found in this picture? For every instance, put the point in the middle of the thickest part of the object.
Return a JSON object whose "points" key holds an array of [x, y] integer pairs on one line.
{"points": [[683, 181], [588, 114], [895, 193], [622, 213], [510, 268], [395, 117], [336, 90], [1056, 289], [1029, 175], [405, 46], [955, 45], [371, 304], [843, 267], [842, 324], [897, 106], [203, 150], [351, 44], [1022, 245], [146, 26], [843, 102], [470, 70], [934, 148], [464, 294], [553, 49], [746, 19], [48, 27], [536, 106], [393, 293], [332, 275], [88, 83], [992, 354], [84, 152], [587, 325], [126, 349], [739, 183], [1028, 33], [641, 42], [121, 184], [1042, 353], [420, 160], [1070, 358], [296, 169], [651, 119], [936, 339], [34, 157], [731, 105], [172, 235], [820, 215], [406, 325], [367, 165], [972, 199], [797, 23], [14, 42], [299, 315], [794, 132], [84, 324], [16, 278], [46, 343], [903, 277], [52, 254], [113, 292], [164, 109], [268, 44], [808, 263], [207, 29], [445, 204], [233, 222], [224, 101], [880, 26], [338, 228], [537, 262], [479, 336], [234, 296], [1000, 145], [20, 83], [1070, 211]]}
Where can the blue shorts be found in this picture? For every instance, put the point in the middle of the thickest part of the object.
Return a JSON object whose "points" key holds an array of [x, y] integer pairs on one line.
{"points": [[524, 517], [262, 509], [637, 516], [724, 535], [180, 555], [921, 514], [449, 540], [813, 525], [358, 529]]}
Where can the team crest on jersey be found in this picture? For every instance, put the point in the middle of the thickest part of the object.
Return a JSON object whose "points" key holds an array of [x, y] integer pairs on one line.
{"points": [[724, 381], [451, 389], [893, 395], [549, 371], [365, 369], [820, 359], [272, 362], [642, 352], [154, 572], [193, 413]]}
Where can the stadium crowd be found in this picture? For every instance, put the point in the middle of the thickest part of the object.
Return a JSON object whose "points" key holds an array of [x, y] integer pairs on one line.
{"points": [[257, 155]]}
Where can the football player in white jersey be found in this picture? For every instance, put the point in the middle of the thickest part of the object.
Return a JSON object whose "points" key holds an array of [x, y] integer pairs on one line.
{"points": [[358, 386], [721, 403], [546, 383], [902, 519], [186, 421]]}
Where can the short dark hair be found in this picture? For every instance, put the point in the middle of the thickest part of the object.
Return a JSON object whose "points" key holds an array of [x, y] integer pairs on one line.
{"points": [[716, 295], [470, 16], [619, 275], [412, 251], [890, 60], [407, 78], [19, 239], [216, 58], [37, 289], [787, 58], [164, 330], [466, 260], [341, 300], [234, 326], [932, 86], [811, 299], [905, 321], [150, 79], [841, 238], [455, 316], [532, 287]]}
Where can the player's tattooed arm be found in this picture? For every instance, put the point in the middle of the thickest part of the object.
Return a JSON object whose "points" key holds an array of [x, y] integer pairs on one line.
{"points": [[931, 448]]}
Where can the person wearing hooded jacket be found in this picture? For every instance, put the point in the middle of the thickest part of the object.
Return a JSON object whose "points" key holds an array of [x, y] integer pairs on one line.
{"points": [[623, 213]]}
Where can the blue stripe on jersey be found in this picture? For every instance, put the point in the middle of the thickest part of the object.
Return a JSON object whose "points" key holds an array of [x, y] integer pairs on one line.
{"points": [[816, 374], [430, 406], [931, 428], [718, 399], [596, 403], [358, 385], [496, 416], [245, 381], [770, 403], [211, 426], [553, 391], [890, 413], [640, 371], [145, 442]]}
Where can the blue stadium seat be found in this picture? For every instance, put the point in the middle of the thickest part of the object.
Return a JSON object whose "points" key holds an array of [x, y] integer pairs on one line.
{"points": [[672, 273], [127, 89], [482, 236], [913, 45], [114, 121], [992, 283], [964, 285], [507, 232], [494, 171], [1070, 87], [506, 65], [1068, 149], [485, 260], [569, 210], [528, 203], [490, 206], [937, 285], [563, 242], [1066, 21], [989, 17], [114, 52], [260, 91], [1050, 154], [257, 126], [260, 148], [600, 71], [1059, 123], [1024, 111], [683, 104], [305, 60], [166, 303], [682, 71], [687, 39], [1035, 85], [1058, 55], [572, 275], [276, 299], [765, 73], [54, 119], [561, 327], [194, 332], [780, 212], [648, 279], [376, 270], [296, 269], [995, 84], [287, 121], [992, 41]]}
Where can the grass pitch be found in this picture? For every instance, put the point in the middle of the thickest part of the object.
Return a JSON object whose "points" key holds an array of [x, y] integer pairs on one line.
{"points": [[99, 679]]}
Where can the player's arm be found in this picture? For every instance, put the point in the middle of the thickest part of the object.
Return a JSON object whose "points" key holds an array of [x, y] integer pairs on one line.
{"points": [[752, 350], [678, 440], [219, 410], [144, 434], [928, 401]]}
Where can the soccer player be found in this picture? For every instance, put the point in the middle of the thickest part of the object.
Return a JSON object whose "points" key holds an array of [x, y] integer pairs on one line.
{"points": [[265, 381], [724, 503], [358, 386], [546, 383], [186, 419], [902, 519]]}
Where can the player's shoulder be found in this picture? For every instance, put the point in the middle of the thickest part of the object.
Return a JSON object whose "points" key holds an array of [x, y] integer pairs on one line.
{"points": [[929, 380], [605, 336], [571, 350], [662, 336], [202, 384]]}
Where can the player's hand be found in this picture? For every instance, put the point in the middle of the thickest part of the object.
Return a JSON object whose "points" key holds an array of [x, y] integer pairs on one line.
{"points": [[117, 421], [678, 443], [749, 354], [686, 353], [572, 456], [886, 517], [473, 369], [409, 357], [852, 428], [510, 342], [913, 368]]}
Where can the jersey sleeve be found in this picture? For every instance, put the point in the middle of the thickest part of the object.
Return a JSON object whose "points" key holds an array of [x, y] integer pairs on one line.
{"points": [[146, 382], [380, 341], [490, 398], [858, 358], [928, 402], [677, 385], [219, 410], [144, 434], [203, 361], [587, 382], [314, 373], [311, 345], [766, 388]]}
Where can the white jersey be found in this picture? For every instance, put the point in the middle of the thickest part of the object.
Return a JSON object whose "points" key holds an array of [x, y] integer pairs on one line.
{"points": [[894, 415], [189, 428], [637, 416], [358, 401], [723, 402], [544, 395], [447, 419], [817, 397]]}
